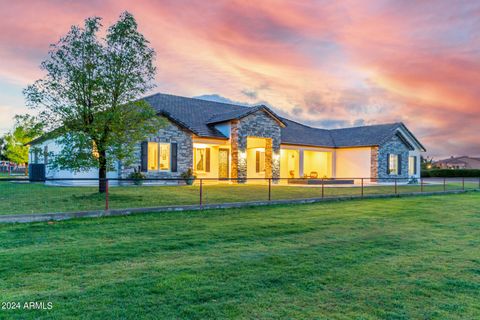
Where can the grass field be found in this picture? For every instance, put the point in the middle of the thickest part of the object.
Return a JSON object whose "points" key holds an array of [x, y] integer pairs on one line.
{"points": [[23, 197], [407, 258]]}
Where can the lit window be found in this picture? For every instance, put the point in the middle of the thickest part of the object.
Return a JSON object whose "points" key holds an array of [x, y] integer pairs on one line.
{"points": [[260, 161], [152, 156], [412, 166], [164, 156], [393, 164], [200, 159], [158, 156]]}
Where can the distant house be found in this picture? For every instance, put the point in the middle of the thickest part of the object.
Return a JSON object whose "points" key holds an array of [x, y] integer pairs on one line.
{"points": [[463, 162], [220, 140]]}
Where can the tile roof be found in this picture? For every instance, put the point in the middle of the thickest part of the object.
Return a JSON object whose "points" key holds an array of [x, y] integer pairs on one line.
{"points": [[193, 114], [199, 116]]}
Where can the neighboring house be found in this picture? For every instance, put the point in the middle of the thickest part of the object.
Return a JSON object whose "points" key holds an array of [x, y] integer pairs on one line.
{"points": [[219, 140], [463, 162]]}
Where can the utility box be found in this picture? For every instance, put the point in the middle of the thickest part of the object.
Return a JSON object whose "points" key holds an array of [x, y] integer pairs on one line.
{"points": [[36, 172]]}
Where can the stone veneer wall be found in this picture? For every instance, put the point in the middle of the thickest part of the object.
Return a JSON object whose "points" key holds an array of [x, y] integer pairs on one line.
{"points": [[393, 146], [258, 125], [374, 163], [171, 133]]}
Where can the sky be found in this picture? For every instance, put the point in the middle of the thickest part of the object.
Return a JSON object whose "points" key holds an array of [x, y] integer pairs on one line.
{"points": [[329, 64]]}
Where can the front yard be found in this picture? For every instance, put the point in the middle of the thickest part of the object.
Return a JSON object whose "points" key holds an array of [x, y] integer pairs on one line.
{"points": [[24, 197], [407, 258]]}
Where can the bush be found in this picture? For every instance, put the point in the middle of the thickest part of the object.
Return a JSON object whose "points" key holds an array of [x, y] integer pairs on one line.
{"points": [[137, 177], [188, 176], [447, 173]]}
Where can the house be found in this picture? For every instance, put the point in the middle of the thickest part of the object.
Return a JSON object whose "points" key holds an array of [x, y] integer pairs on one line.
{"points": [[220, 140], [463, 162]]}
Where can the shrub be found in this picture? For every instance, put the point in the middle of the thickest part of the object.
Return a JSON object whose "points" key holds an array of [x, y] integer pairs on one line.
{"points": [[188, 176], [447, 173], [137, 177]]}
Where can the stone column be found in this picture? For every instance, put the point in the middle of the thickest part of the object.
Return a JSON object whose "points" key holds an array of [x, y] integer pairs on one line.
{"points": [[374, 164], [268, 158], [275, 157], [239, 155]]}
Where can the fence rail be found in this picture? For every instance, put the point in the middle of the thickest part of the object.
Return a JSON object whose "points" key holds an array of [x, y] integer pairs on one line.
{"points": [[19, 196]]}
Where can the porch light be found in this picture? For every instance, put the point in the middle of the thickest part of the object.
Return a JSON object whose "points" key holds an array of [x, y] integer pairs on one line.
{"points": [[242, 155]]}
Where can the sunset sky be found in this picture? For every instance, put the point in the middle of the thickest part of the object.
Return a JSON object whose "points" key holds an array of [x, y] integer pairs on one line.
{"points": [[326, 63]]}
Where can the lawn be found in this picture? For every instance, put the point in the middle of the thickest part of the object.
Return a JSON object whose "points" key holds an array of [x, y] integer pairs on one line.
{"points": [[406, 258], [24, 197]]}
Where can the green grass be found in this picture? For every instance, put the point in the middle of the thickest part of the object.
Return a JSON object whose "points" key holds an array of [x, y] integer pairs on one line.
{"points": [[24, 197], [5, 175], [32, 198], [407, 258]]}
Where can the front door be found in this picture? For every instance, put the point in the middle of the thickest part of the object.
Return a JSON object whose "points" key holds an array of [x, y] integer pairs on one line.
{"points": [[223, 163]]}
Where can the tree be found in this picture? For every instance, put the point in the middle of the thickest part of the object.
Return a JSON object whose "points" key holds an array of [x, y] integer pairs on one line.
{"points": [[3, 146], [90, 95], [25, 129]]}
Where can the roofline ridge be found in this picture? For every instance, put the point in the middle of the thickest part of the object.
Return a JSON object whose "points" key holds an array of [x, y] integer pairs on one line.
{"points": [[203, 100]]}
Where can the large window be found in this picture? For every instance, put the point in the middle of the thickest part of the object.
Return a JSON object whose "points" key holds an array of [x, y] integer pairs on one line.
{"points": [[412, 165], [202, 159], [393, 164], [158, 156], [260, 161]]}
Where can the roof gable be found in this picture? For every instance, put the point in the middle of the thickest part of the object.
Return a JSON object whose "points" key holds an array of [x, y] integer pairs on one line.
{"points": [[239, 114]]}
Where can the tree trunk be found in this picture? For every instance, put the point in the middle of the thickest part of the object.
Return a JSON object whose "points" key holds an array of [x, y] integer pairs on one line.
{"points": [[102, 172]]}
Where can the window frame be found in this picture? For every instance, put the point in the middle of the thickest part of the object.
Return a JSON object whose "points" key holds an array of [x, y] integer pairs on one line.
{"points": [[261, 160], [169, 158], [412, 165], [204, 162], [395, 171], [158, 155]]}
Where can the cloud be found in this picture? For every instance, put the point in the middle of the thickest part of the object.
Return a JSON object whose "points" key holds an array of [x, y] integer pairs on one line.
{"points": [[325, 63]]}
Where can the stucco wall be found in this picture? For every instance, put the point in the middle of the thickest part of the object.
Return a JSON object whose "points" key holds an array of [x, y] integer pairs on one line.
{"points": [[353, 162]]}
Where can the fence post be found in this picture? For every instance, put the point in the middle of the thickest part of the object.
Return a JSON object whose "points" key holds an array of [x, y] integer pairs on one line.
{"points": [[478, 183], [463, 183], [396, 190], [444, 184], [106, 195], [269, 189], [323, 188], [421, 185], [362, 187], [201, 192]]}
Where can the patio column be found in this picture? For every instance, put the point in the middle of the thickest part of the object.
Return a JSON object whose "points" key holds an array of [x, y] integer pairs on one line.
{"points": [[268, 158], [300, 162], [239, 155], [374, 164]]}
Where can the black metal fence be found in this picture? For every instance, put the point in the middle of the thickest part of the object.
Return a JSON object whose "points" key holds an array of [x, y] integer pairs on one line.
{"points": [[19, 196]]}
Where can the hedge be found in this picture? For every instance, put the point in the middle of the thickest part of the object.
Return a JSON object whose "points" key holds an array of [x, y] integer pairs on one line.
{"points": [[445, 173]]}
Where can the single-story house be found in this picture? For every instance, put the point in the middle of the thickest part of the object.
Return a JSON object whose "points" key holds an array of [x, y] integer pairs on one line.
{"points": [[220, 140], [463, 162]]}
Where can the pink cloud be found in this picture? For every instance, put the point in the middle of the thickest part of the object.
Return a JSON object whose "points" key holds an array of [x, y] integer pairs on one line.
{"points": [[344, 61]]}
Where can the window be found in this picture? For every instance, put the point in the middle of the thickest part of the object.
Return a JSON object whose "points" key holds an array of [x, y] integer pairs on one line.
{"points": [[164, 156], [393, 164], [158, 156], [260, 161], [412, 165], [45, 155], [202, 159]]}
